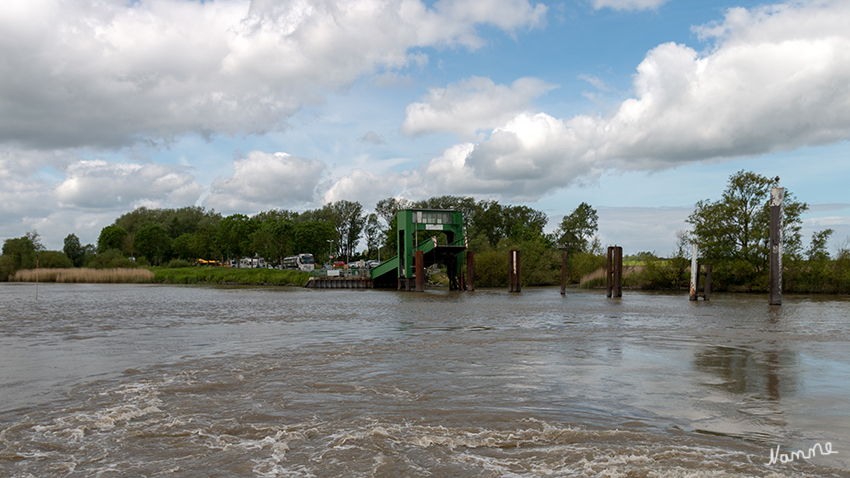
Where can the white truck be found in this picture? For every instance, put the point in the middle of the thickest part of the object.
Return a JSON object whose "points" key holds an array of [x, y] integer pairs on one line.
{"points": [[302, 262]]}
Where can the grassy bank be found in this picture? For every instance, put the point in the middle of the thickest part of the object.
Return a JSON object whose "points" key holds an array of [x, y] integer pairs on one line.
{"points": [[228, 275], [182, 275], [102, 276]]}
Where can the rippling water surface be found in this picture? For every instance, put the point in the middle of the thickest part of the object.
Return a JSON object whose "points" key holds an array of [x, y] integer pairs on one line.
{"points": [[129, 380]]}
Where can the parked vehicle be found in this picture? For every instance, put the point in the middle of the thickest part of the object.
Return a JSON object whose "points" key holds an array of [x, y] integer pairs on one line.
{"points": [[303, 262]]}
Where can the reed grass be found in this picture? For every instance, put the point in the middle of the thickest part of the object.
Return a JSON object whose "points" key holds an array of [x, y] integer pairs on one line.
{"points": [[100, 276], [598, 278]]}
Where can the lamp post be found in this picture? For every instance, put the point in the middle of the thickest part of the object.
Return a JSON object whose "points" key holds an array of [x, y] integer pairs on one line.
{"points": [[330, 252]]}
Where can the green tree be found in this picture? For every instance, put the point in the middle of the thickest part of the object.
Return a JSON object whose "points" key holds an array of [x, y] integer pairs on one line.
{"points": [[488, 221], [184, 247], [349, 221], [732, 232], [54, 260], [386, 210], [522, 223], [152, 241], [74, 250], [274, 239], [578, 228], [312, 237], [20, 253], [111, 237], [372, 231], [817, 251], [234, 236]]}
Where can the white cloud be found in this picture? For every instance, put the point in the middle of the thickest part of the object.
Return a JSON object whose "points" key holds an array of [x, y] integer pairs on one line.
{"points": [[777, 79], [266, 181], [368, 188], [471, 105], [100, 184], [111, 74], [372, 137], [628, 4]]}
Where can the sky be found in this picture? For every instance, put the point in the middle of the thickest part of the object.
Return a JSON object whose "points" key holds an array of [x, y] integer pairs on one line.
{"points": [[640, 108]]}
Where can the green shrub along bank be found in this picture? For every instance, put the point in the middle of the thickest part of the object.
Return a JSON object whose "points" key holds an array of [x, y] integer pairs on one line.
{"points": [[541, 264], [228, 275]]}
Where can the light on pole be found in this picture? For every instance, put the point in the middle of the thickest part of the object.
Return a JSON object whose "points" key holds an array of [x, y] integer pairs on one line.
{"points": [[330, 252]]}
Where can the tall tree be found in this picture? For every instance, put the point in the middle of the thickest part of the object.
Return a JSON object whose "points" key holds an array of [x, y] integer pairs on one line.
{"points": [[111, 237], [153, 242], [578, 228], [387, 208], [20, 253], [733, 231], [314, 237], [522, 223], [349, 221], [274, 239], [234, 236], [74, 250], [489, 221], [372, 231]]}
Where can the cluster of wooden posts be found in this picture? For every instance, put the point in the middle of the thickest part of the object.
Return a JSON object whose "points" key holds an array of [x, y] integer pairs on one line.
{"points": [[614, 265]]}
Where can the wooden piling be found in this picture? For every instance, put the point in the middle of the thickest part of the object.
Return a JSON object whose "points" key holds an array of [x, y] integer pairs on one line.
{"points": [[707, 293], [614, 272], [514, 271], [470, 270], [692, 295], [419, 265], [777, 197], [618, 271], [564, 273], [609, 272]]}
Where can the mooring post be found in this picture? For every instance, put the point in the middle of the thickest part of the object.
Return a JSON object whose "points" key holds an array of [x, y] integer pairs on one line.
{"points": [[419, 263], [514, 268], [470, 270], [707, 295], [609, 271], [564, 273], [694, 272], [618, 274], [777, 197]]}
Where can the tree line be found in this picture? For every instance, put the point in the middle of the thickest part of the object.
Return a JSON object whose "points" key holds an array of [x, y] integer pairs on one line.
{"points": [[731, 231], [163, 236]]}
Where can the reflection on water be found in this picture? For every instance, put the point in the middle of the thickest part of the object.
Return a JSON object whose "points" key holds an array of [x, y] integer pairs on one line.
{"points": [[769, 374], [202, 381]]}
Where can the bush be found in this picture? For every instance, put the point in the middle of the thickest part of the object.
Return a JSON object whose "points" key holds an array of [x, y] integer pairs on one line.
{"points": [[175, 263], [54, 260], [111, 259], [491, 269]]}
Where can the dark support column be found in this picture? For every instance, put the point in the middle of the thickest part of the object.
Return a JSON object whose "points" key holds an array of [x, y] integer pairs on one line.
{"points": [[707, 282], [564, 273], [609, 272], [618, 275], [694, 272], [514, 272], [470, 270], [419, 263], [777, 197]]}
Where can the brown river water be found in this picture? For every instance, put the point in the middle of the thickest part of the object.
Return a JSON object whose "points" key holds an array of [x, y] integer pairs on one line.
{"points": [[153, 380]]}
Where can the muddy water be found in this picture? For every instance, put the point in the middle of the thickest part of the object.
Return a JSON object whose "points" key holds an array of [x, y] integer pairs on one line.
{"points": [[114, 380]]}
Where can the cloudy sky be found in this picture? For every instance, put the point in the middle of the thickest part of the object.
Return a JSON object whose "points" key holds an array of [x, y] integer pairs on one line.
{"points": [[638, 107]]}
